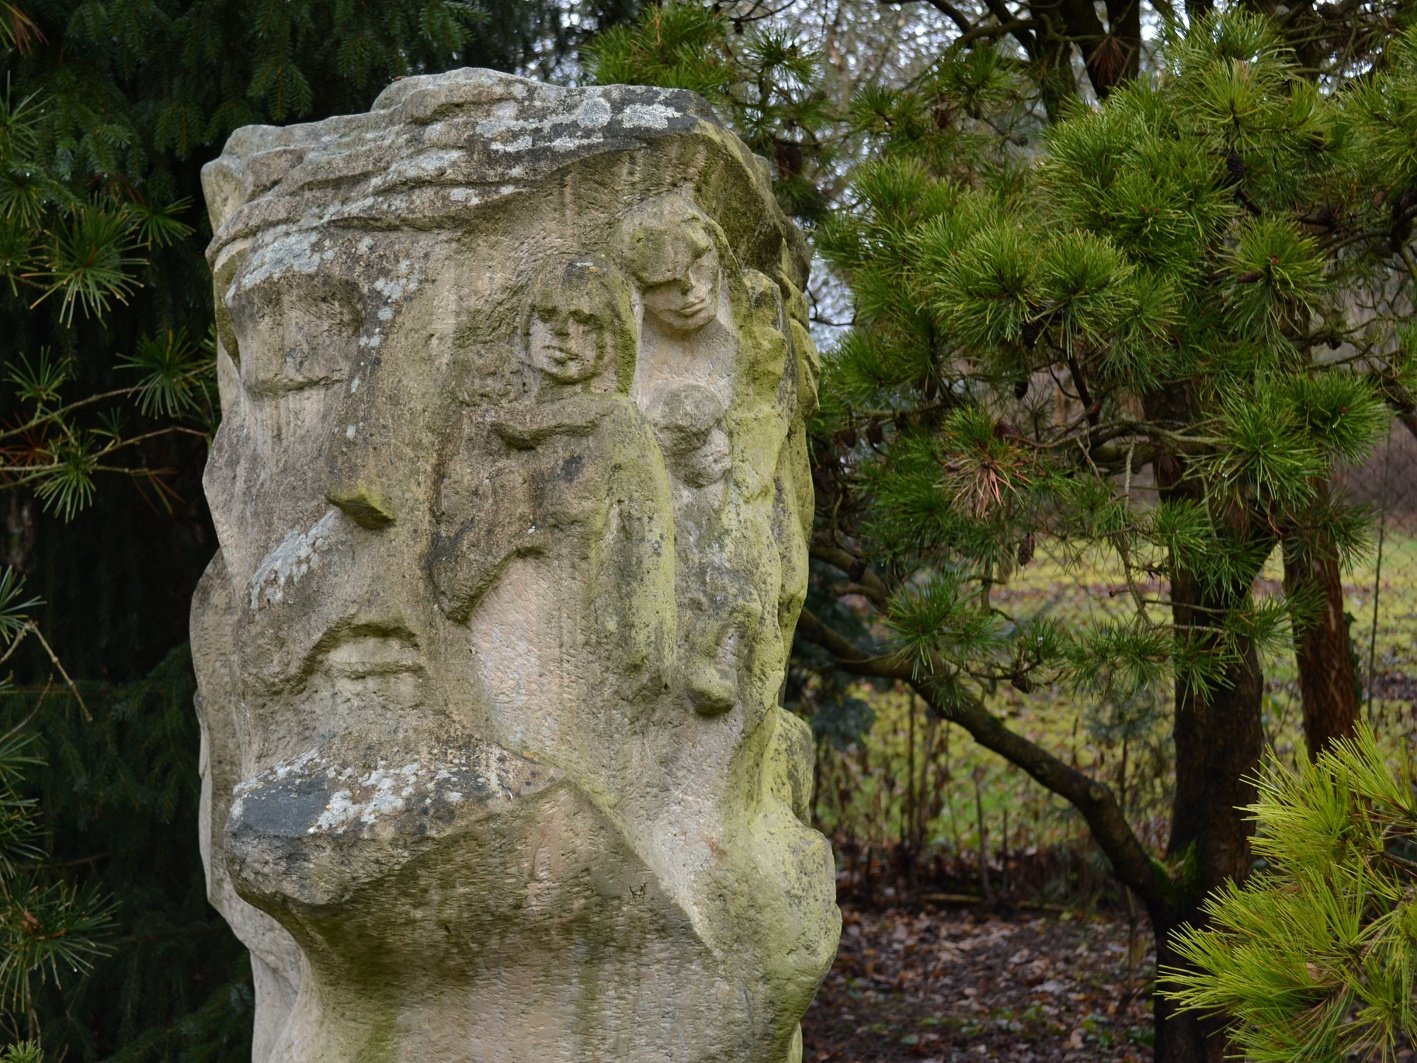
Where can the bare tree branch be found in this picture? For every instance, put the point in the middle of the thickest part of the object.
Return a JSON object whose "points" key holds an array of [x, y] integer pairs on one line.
{"points": [[1133, 865], [945, 8]]}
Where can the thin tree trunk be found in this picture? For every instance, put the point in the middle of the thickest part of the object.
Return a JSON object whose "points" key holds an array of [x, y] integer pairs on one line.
{"points": [[1181, 1037], [1328, 678], [1218, 740]]}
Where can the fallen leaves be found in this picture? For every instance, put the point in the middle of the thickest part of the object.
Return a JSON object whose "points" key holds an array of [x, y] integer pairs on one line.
{"points": [[949, 985]]}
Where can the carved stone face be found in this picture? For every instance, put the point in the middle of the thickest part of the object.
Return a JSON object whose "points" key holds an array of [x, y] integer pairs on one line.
{"points": [[489, 657], [688, 300], [689, 420], [571, 331], [672, 253]]}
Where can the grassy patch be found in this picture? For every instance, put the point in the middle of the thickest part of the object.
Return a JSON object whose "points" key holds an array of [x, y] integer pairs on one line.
{"points": [[917, 791]]}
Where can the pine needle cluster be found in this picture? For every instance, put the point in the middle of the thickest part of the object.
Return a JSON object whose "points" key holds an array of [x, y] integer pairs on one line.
{"points": [[51, 929], [1315, 957]]}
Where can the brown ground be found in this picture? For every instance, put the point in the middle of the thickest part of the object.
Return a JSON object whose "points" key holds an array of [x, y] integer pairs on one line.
{"points": [[968, 984]]}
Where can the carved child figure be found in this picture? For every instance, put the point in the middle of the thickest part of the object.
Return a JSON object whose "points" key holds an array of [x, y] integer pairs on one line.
{"points": [[686, 381], [716, 604], [574, 473], [689, 420], [579, 334]]}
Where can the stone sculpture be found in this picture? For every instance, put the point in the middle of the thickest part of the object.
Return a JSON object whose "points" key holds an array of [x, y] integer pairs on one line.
{"points": [[512, 501]]}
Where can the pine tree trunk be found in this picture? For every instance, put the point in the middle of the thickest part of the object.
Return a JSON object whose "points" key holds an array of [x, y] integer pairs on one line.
{"points": [[1218, 741], [1328, 679], [1181, 1037]]}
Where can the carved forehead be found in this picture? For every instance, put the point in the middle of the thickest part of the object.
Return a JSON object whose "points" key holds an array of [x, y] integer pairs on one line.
{"points": [[662, 239], [449, 152], [432, 149], [587, 285]]}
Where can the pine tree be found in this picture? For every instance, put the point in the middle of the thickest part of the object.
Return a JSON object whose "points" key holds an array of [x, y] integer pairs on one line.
{"points": [[70, 250], [1175, 265]]}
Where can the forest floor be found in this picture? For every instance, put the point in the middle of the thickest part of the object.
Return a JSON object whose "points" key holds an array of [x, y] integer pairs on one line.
{"points": [[969, 983]]}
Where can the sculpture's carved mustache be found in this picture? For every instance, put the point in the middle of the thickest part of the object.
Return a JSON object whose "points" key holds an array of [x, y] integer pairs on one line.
{"points": [[357, 649]]}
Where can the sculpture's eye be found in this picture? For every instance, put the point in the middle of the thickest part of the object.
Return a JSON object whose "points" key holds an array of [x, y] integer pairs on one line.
{"points": [[296, 329], [704, 268]]}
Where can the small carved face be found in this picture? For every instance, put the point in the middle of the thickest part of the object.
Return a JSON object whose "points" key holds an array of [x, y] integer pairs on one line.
{"points": [[570, 331], [670, 248]]}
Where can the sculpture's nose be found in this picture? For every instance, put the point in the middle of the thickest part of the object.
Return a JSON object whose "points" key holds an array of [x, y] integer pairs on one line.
{"points": [[362, 503]]}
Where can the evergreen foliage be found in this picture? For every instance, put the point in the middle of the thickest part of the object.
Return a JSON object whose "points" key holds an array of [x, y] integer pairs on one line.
{"points": [[1146, 340], [51, 930], [766, 84], [1315, 956], [1161, 247], [1146, 254], [121, 797], [83, 249]]}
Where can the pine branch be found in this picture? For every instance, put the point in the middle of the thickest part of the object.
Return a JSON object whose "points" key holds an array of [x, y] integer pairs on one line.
{"points": [[1027, 39], [860, 573], [31, 628], [945, 8]]}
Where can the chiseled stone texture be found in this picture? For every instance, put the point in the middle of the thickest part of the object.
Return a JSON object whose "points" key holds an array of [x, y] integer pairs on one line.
{"points": [[512, 496]]}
